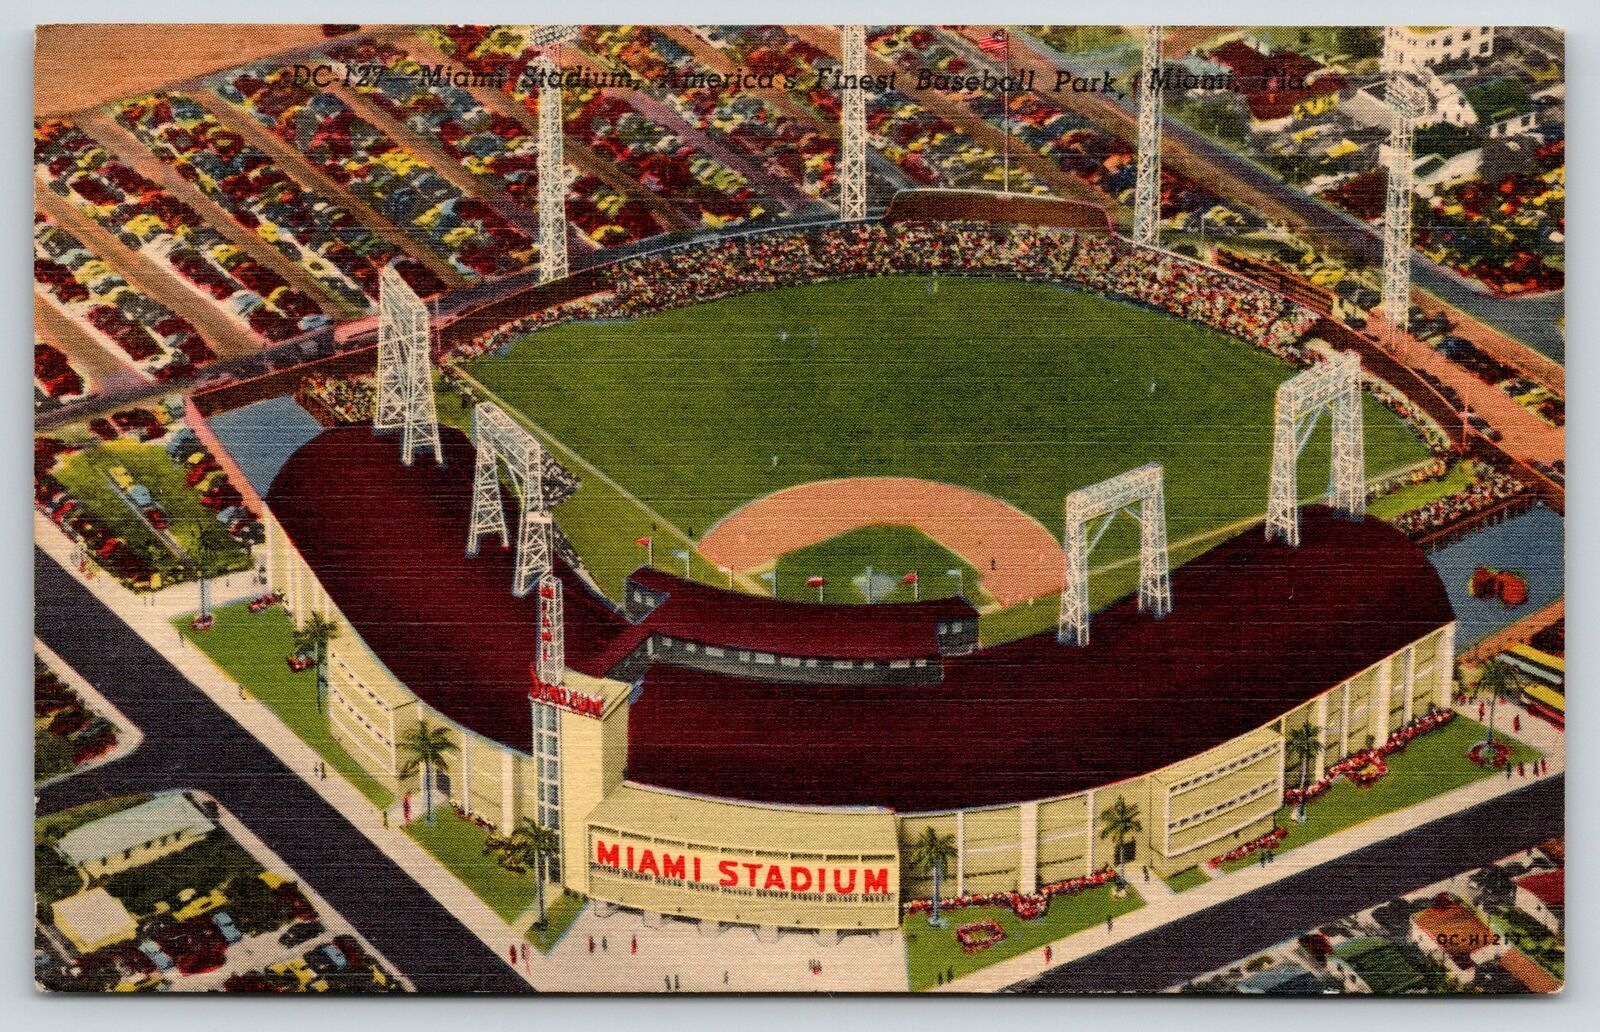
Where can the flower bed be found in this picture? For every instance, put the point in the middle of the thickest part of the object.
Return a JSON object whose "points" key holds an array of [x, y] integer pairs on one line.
{"points": [[1490, 754], [1027, 906], [1268, 841], [1365, 767], [980, 935]]}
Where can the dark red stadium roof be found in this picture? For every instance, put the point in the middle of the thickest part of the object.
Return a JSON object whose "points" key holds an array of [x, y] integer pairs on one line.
{"points": [[1257, 629], [702, 613]]}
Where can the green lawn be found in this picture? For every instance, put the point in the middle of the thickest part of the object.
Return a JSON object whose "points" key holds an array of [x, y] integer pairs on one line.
{"points": [[890, 550], [1183, 881], [559, 914], [1050, 391], [252, 648], [931, 951], [83, 474], [458, 844], [1431, 765], [1414, 496]]}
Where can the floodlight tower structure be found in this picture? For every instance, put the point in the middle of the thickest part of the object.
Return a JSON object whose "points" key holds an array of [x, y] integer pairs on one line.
{"points": [[1334, 384], [1147, 190], [405, 369], [499, 440], [1406, 100], [1139, 494], [552, 659], [552, 175], [853, 125]]}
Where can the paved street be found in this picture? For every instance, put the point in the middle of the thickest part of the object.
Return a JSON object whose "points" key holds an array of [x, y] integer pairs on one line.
{"points": [[1190, 947], [190, 743]]}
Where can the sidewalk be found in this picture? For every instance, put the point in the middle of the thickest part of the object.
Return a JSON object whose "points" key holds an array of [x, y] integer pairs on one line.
{"points": [[1162, 909], [151, 619]]}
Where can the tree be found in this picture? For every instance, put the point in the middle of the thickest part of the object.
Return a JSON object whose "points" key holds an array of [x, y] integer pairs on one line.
{"points": [[1494, 887], [1359, 41], [1500, 682], [426, 748], [1303, 745], [316, 634], [528, 847], [932, 853], [1118, 822]]}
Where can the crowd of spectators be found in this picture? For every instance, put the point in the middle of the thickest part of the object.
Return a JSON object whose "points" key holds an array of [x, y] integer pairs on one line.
{"points": [[337, 400], [150, 220], [1489, 491], [330, 243]]}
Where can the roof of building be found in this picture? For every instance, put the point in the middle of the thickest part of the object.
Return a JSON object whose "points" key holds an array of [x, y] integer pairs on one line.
{"points": [[1548, 887], [93, 916], [1282, 978], [674, 816], [1380, 964], [1457, 930], [1257, 629], [1273, 84], [164, 815], [1533, 977], [888, 631]]}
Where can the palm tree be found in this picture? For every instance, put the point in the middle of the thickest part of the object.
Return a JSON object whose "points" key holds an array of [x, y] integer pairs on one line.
{"points": [[1303, 745], [426, 747], [932, 853], [315, 634], [529, 847], [1118, 821], [1500, 682]]}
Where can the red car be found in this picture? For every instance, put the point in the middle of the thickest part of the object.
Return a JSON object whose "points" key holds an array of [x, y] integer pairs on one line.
{"points": [[199, 961]]}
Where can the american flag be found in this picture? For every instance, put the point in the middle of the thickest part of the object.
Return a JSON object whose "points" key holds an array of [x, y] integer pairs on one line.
{"points": [[995, 45]]}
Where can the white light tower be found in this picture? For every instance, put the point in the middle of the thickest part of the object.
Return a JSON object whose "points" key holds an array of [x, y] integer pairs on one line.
{"points": [[552, 631], [1147, 191], [853, 125], [1334, 384], [405, 369], [499, 439], [552, 176], [1140, 487], [1405, 102]]}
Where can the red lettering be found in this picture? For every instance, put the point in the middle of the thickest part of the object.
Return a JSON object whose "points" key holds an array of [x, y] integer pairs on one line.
{"points": [[647, 863], [752, 869], [730, 873], [607, 855], [672, 866], [774, 877], [844, 887], [875, 882], [696, 868], [795, 876], [630, 858]]}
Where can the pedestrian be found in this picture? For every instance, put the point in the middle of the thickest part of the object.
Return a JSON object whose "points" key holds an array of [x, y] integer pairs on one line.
{"points": [[603, 944], [1508, 772], [385, 815], [591, 944], [524, 954], [676, 985], [513, 954], [724, 978], [1147, 873], [938, 978], [633, 945], [1108, 924], [1516, 722], [950, 975], [1521, 771], [1480, 711], [1047, 956], [667, 979]]}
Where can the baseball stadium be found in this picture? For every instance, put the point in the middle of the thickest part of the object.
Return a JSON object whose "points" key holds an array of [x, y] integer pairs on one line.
{"points": [[783, 529], [713, 747]]}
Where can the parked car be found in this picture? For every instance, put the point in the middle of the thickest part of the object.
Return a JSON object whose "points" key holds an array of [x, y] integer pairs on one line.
{"points": [[230, 931], [327, 960], [304, 931], [157, 955]]}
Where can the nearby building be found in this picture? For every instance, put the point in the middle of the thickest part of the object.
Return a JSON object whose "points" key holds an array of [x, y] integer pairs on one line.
{"points": [[135, 836], [719, 792], [1543, 896], [1373, 965], [93, 920], [1453, 933], [1427, 45]]}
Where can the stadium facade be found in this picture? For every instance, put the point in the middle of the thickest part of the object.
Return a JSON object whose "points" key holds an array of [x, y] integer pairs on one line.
{"points": [[718, 756]]}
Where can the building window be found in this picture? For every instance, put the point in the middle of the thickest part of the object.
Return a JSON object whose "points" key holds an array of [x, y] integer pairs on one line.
{"points": [[547, 771]]}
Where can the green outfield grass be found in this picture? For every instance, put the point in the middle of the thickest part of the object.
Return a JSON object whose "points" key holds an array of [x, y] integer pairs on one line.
{"points": [[891, 551], [1022, 391]]}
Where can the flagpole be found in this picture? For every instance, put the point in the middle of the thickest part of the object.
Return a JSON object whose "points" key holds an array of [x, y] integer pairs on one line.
{"points": [[1005, 107]]}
